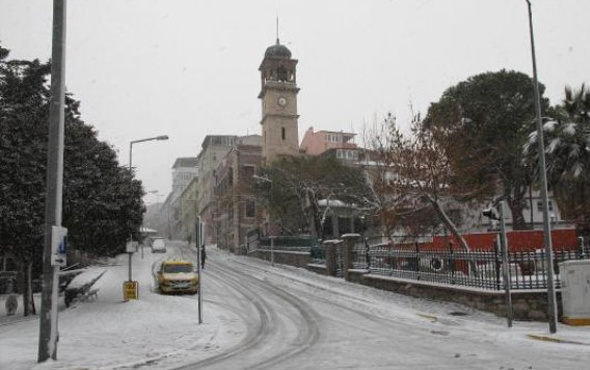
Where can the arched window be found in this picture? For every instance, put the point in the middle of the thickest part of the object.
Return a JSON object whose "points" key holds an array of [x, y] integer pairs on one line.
{"points": [[283, 133]]}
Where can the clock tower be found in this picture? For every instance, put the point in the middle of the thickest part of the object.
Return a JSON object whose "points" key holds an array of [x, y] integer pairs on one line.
{"points": [[280, 132]]}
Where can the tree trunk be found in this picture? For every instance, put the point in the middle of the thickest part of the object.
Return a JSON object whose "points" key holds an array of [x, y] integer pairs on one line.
{"points": [[28, 302], [453, 229], [516, 204], [449, 224]]}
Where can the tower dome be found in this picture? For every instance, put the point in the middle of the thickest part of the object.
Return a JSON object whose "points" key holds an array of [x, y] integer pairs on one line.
{"points": [[277, 51]]}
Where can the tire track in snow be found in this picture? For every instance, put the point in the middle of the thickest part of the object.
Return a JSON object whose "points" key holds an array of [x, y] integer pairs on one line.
{"points": [[305, 320]]}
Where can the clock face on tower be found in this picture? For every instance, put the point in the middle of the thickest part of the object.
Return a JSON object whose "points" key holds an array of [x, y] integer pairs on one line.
{"points": [[282, 101]]}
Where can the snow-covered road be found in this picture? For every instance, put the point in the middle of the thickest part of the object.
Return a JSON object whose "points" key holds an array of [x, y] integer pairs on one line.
{"points": [[261, 317]]}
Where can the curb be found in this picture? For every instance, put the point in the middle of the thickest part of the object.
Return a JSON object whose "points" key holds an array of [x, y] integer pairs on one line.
{"points": [[545, 338]]}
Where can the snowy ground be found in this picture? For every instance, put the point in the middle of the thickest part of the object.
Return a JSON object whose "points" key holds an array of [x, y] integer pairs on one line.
{"points": [[263, 317]]}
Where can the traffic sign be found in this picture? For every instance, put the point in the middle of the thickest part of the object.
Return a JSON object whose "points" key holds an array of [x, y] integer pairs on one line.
{"points": [[59, 246], [130, 290]]}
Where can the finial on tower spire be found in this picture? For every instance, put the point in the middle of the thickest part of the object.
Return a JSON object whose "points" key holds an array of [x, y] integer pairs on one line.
{"points": [[278, 30]]}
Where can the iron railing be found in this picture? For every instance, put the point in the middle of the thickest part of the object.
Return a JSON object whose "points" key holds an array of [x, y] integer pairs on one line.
{"points": [[317, 254], [288, 243], [477, 269]]}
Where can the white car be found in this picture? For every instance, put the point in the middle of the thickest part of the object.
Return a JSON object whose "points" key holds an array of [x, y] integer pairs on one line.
{"points": [[158, 245]]}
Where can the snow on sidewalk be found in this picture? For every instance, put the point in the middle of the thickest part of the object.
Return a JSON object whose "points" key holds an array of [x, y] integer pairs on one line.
{"points": [[108, 333]]}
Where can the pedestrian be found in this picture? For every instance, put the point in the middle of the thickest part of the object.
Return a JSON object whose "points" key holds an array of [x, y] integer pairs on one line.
{"points": [[203, 256]]}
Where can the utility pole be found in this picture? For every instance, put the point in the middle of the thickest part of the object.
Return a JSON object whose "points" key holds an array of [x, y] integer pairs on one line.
{"points": [[551, 299], [48, 335]]}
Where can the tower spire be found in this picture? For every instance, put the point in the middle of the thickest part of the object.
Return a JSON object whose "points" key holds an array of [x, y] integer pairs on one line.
{"points": [[278, 30]]}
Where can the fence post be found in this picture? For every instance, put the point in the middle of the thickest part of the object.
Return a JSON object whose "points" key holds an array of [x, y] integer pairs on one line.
{"points": [[272, 250], [367, 254], [581, 244], [506, 267], [417, 267], [497, 264], [330, 257], [451, 263], [347, 259]]}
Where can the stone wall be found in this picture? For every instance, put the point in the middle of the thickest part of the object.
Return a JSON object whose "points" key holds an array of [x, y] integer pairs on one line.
{"points": [[318, 269], [297, 259], [527, 305]]}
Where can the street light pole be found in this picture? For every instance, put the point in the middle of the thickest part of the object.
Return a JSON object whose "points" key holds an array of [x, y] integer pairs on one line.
{"points": [[551, 299], [161, 137]]}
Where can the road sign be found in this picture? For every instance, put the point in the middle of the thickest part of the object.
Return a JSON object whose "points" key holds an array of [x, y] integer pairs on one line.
{"points": [[130, 290], [59, 245], [131, 247]]}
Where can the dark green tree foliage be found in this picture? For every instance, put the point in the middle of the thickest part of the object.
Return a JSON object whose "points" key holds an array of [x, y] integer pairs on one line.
{"points": [[102, 202], [23, 146], [494, 113], [567, 151], [300, 183]]}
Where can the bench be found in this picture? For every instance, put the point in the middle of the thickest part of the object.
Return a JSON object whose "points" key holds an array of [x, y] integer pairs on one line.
{"points": [[83, 293], [90, 295]]}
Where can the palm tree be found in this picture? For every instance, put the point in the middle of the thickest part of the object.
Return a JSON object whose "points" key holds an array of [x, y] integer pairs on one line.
{"points": [[567, 138]]}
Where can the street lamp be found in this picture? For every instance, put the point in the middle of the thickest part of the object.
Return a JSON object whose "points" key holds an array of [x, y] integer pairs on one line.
{"points": [[551, 299], [161, 137]]}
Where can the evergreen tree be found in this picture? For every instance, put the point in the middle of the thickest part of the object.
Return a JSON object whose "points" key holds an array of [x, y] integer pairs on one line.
{"points": [[494, 113], [102, 202]]}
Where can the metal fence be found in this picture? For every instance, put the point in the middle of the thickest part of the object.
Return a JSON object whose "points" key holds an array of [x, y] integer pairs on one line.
{"points": [[477, 269], [288, 243], [317, 254]]}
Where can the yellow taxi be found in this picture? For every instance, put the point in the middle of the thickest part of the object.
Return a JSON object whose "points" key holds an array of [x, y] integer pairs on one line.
{"points": [[177, 276]]}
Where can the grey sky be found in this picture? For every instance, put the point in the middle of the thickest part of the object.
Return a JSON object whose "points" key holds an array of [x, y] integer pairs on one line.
{"points": [[189, 68]]}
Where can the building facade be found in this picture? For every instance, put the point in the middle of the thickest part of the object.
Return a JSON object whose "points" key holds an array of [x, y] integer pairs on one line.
{"points": [[184, 170], [189, 210], [316, 143], [237, 210], [213, 149]]}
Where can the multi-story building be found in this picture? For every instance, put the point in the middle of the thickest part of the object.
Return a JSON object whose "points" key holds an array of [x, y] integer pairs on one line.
{"points": [[213, 149], [237, 211], [339, 142], [184, 170], [189, 210]]}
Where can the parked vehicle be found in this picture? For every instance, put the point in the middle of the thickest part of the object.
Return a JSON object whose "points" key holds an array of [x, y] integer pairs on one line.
{"points": [[178, 277], [158, 245]]}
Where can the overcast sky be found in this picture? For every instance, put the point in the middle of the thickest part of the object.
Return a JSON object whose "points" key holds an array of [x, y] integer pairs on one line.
{"points": [[189, 68]]}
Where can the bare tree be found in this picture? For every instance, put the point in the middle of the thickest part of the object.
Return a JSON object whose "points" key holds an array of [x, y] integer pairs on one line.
{"points": [[414, 179]]}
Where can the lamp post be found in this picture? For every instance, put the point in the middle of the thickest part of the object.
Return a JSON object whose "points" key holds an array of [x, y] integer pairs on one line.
{"points": [[551, 299], [161, 137]]}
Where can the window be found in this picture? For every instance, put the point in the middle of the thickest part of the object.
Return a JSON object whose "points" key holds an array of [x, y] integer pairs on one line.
{"points": [[250, 209], [249, 171], [540, 206], [283, 133]]}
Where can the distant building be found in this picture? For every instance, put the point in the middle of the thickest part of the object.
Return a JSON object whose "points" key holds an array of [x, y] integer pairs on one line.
{"points": [[184, 170], [339, 142], [189, 210]]}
